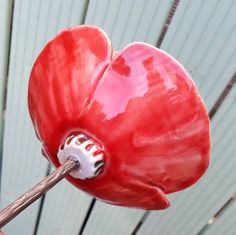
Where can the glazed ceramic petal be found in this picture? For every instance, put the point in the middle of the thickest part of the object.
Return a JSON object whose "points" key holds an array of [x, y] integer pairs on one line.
{"points": [[62, 79], [143, 109]]}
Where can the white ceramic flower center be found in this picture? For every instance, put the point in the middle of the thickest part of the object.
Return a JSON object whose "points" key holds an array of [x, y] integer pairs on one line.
{"points": [[83, 149]]}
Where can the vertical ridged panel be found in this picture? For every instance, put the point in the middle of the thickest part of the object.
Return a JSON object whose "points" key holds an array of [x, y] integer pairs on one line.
{"points": [[107, 219], [5, 27], [22, 163], [35, 22], [128, 21]]}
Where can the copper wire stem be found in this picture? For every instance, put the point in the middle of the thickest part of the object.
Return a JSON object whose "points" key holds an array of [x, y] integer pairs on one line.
{"points": [[22, 202]]}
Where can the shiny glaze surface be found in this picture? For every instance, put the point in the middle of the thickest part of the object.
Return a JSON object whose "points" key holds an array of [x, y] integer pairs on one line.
{"points": [[140, 105]]}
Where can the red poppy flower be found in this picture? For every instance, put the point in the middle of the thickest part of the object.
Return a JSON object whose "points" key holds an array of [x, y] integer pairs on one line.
{"points": [[137, 112]]}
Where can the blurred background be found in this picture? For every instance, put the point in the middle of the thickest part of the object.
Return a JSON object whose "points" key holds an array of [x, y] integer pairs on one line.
{"points": [[200, 34]]}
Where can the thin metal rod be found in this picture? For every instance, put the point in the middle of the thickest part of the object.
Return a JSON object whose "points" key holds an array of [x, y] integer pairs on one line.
{"points": [[223, 95], [16, 207], [167, 22]]}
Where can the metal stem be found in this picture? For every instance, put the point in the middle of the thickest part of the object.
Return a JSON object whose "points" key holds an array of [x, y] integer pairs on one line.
{"points": [[16, 207]]}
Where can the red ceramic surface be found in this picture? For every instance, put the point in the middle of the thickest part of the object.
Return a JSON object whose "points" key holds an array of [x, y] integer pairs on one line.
{"points": [[141, 106]]}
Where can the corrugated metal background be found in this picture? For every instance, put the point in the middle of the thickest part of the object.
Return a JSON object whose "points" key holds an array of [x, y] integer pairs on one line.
{"points": [[201, 35]]}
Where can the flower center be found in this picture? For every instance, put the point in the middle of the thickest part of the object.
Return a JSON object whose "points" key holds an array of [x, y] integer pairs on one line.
{"points": [[86, 151]]}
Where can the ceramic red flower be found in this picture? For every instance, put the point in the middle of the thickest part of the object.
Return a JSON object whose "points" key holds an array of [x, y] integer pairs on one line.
{"points": [[135, 119]]}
